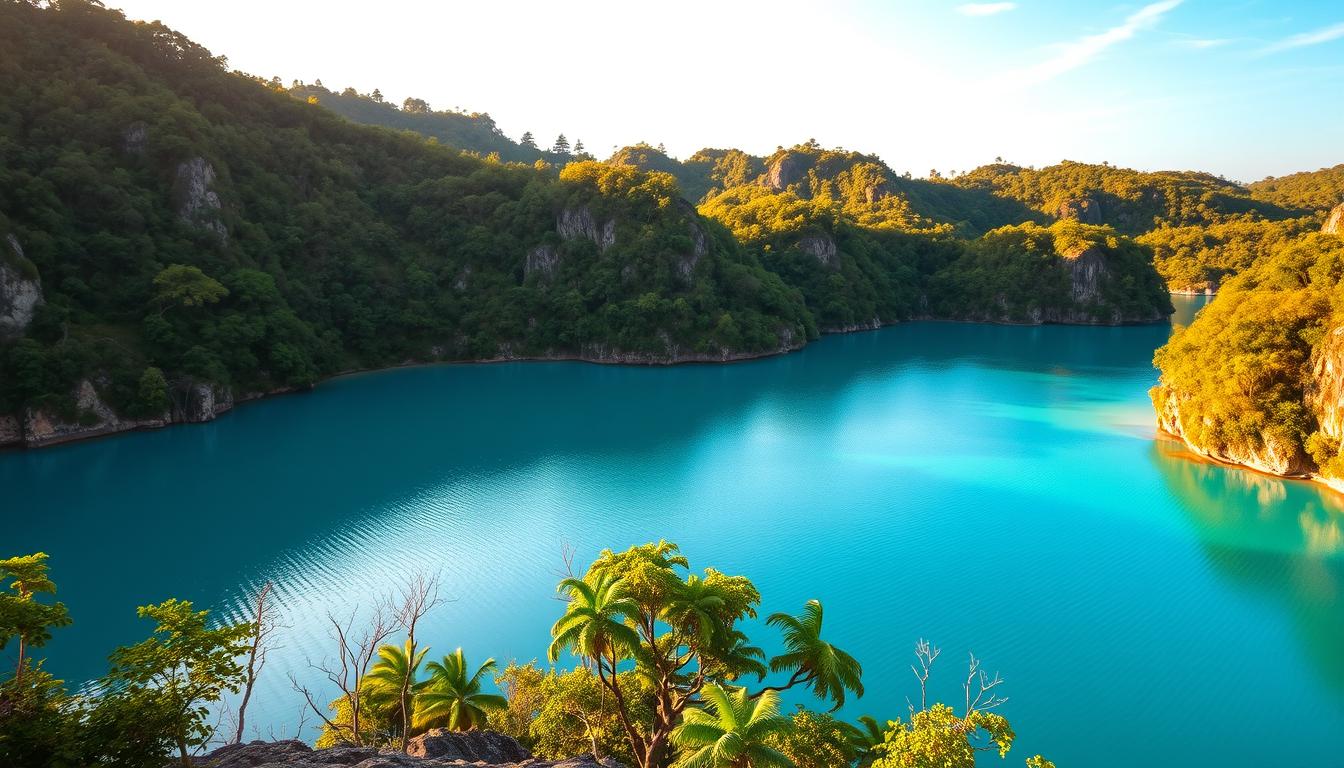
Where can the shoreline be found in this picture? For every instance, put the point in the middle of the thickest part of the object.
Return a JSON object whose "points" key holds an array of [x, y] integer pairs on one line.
{"points": [[102, 431], [1198, 455]]}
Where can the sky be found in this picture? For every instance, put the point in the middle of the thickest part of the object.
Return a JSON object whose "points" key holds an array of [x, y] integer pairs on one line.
{"points": [[1240, 88]]}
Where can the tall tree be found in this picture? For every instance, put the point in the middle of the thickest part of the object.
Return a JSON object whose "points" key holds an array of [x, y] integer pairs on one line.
{"points": [[635, 609], [22, 617], [813, 661], [561, 146], [186, 665], [528, 140]]}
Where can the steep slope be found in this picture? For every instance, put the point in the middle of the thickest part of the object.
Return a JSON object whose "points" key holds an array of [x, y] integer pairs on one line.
{"points": [[1317, 191], [178, 237], [1258, 378]]}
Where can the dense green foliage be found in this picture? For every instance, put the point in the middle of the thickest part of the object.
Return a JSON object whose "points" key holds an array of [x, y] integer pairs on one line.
{"points": [[660, 680], [1241, 374], [471, 131], [1309, 190], [335, 246], [1199, 257]]}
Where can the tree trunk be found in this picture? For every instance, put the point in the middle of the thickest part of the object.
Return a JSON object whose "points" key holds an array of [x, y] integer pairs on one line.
{"points": [[182, 749], [18, 671]]}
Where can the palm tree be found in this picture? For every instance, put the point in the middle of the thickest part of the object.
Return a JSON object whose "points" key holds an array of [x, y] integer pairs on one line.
{"points": [[452, 699], [736, 659], [813, 661], [392, 683], [731, 730], [865, 738], [593, 625], [697, 610]]}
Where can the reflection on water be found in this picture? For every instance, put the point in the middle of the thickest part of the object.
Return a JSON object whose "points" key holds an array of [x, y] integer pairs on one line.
{"points": [[1280, 539]]}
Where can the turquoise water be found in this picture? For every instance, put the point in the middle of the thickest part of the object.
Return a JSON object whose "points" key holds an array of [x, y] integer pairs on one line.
{"points": [[995, 489]]}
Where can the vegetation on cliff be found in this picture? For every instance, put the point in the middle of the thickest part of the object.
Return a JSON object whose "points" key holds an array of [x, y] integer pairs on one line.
{"points": [[1255, 378], [665, 674]]}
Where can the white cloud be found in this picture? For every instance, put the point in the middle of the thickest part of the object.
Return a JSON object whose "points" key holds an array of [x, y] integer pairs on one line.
{"points": [[984, 9], [1083, 50], [1323, 35]]}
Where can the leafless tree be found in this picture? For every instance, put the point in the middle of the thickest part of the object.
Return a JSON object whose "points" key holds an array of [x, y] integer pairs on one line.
{"points": [[265, 621], [357, 641], [984, 696], [925, 654], [419, 595]]}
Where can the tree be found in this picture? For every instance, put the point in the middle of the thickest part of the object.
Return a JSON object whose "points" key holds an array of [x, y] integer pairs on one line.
{"points": [[264, 622], [578, 146], [22, 617], [415, 106], [152, 393], [557, 715], [937, 737], [634, 609], [377, 95], [392, 684], [830, 671], [453, 698], [357, 639], [187, 286], [732, 730], [528, 141], [815, 740], [561, 146], [186, 665]]}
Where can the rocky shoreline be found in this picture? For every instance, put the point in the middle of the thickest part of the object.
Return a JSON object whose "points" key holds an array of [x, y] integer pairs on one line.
{"points": [[439, 748], [195, 403]]}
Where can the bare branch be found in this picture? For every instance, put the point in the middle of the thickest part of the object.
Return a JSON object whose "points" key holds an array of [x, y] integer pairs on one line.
{"points": [[925, 654], [984, 697]]}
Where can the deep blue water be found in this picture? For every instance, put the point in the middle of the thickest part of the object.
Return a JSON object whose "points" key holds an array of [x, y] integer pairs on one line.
{"points": [[995, 489]]}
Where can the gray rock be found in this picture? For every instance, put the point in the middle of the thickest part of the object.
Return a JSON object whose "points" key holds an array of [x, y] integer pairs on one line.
{"points": [[1334, 223], [195, 199], [1086, 270], [574, 223], [20, 290], [135, 138], [477, 746], [196, 402], [822, 248], [543, 259]]}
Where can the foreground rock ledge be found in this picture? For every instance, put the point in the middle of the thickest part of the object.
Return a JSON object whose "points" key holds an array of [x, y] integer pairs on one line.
{"points": [[438, 748]]}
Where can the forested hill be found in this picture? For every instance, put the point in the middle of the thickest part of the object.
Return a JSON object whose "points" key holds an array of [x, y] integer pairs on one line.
{"points": [[174, 235], [470, 131]]}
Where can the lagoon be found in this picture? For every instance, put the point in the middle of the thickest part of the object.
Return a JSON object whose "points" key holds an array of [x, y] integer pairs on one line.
{"points": [[994, 489]]}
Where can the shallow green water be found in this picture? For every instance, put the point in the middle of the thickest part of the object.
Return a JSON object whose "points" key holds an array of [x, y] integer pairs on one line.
{"points": [[996, 489]]}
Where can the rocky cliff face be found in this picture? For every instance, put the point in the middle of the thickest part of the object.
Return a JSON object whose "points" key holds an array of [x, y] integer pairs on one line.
{"points": [[1334, 223], [192, 402], [783, 172], [20, 289], [436, 749], [699, 248], [822, 248], [543, 259], [195, 199], [574, 223], [1272, 456]]}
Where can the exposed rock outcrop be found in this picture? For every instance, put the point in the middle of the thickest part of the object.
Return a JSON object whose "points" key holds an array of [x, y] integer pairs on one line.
{"points": [[822, 248], [1325, 391], [135, 138], [480, 749], [783, 172], [1083, 209], [473, 746], [20, 289], [699, 249], [11, 430], [195, 402], [1334, 223], [543, 259], [574, 223], [195, 199], [94, 417], [1086, 269], [1273, 456]]}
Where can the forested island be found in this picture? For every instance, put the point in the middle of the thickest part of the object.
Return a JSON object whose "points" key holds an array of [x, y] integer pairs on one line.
{"points": [[176, 237]]}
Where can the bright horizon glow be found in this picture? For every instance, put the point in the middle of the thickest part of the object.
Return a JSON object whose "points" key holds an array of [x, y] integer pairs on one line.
{"points": [[1243, 92]]}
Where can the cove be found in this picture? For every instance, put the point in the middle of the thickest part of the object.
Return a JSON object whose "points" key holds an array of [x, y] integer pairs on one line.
{"points": [[994, 489]]}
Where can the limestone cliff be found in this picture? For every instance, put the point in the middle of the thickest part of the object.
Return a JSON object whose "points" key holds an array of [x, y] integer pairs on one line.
{"points": [[1334, 223], [195, 198], [1083, 209], [822, 248], [191, 402], [1274, 456], [20, 289], [574, 223]]}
